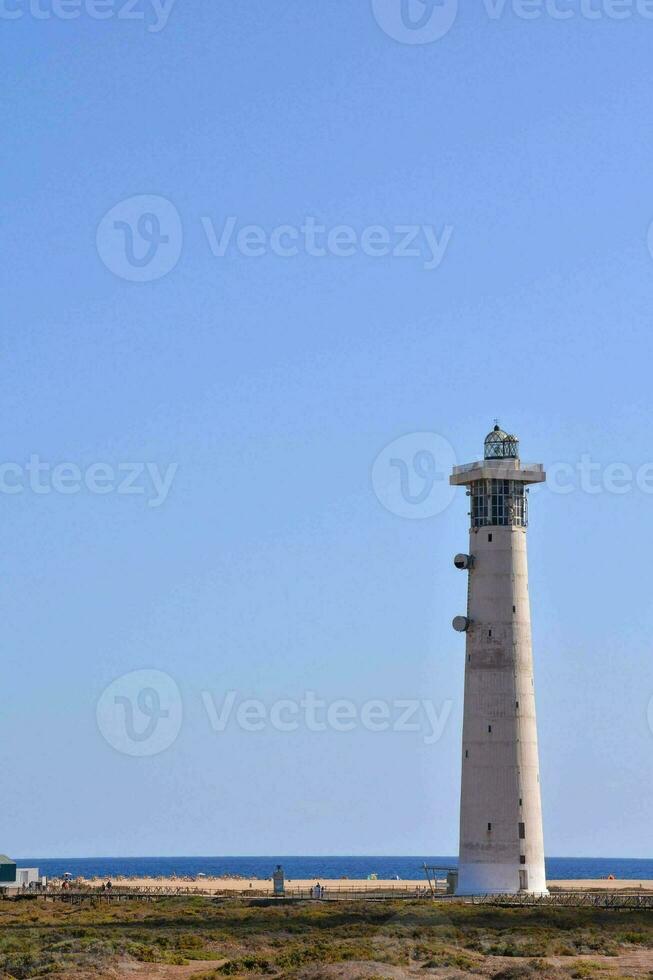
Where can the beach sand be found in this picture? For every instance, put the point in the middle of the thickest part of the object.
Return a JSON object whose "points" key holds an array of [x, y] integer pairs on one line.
{"points": [[603, 884], [254, 885], [245, 885]]}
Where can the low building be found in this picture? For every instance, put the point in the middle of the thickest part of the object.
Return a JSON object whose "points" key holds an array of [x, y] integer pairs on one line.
{"points": [[7, 870], [13, 878]]}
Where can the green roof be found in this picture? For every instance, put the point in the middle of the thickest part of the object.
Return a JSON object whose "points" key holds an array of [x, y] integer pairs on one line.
{"points": [[5, 860]]}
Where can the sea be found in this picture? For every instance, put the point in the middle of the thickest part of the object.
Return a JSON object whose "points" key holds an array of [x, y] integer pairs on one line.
{"points": [[404, 868]]}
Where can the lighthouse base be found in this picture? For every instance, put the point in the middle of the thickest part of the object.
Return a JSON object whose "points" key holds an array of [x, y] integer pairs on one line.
{"points": [[481, 878]]}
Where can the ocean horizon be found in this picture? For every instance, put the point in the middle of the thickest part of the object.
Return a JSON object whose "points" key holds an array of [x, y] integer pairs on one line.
{"points": [[328, 867]]}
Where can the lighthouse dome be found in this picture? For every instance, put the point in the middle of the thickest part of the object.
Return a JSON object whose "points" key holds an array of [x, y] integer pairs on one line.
{"points": [[501, 445]]}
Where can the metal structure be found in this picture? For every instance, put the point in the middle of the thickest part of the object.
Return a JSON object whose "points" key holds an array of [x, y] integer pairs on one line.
{"points": [[598, 900], [499, 445], [441, 885], [501, 846], [500, 502], [279, 881]]}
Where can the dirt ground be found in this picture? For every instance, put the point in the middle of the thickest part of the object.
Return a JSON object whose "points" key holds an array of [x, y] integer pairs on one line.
{"points": [[390, 939], [635, 964]]}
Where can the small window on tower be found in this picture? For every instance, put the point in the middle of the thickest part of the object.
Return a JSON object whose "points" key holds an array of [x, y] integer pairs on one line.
{"points": [[522, 859], [489, 537], [514, 609], [489, 632], [489, 728], [467, 753], [489, 828], [522, 831]]}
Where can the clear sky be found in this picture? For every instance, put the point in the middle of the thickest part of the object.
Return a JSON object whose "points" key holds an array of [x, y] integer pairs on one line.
{"points": [[270, 567]]}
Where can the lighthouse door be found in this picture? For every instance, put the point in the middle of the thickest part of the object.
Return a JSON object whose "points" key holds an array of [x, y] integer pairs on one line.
{"points": [[523, 881]]}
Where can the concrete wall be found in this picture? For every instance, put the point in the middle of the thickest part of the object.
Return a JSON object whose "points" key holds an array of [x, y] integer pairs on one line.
{"points": [[500, 768], [25, 878]]}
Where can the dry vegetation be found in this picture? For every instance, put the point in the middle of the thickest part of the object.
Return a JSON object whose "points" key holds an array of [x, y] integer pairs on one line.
{"points": [[184, 938]]}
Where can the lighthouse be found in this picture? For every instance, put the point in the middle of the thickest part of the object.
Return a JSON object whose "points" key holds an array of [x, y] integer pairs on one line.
{"points": [[501, 842]]}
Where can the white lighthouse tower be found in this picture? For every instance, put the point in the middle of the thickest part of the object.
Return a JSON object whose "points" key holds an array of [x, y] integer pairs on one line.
{"points": [[501, 845]]}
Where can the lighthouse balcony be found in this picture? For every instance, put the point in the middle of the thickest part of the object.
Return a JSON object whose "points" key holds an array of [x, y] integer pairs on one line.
{"points": [[497, 469]]}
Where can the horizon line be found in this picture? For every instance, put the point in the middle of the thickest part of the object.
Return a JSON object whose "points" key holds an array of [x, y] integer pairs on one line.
{"points": [[151, 857]]}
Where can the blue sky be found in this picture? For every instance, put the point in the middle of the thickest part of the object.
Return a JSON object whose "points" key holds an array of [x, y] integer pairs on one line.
{"points": [[271, 384]]}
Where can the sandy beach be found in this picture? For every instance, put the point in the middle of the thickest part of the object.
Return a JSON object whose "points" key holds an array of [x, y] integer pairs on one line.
{"points": [[246, 885], [603, 884], [259, 886]]}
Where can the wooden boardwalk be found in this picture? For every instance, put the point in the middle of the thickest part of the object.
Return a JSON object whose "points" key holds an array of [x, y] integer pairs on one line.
{"points": [[598, 900], [76, 896], [576, 900]]}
